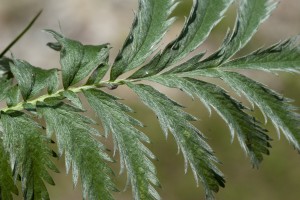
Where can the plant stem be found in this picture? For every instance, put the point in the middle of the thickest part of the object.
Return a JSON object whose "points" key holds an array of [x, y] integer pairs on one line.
{"points": [[108, 84], [20, 35]]}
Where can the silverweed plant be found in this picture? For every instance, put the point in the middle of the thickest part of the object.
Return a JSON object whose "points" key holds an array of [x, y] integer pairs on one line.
{"points": [[44, 118]]}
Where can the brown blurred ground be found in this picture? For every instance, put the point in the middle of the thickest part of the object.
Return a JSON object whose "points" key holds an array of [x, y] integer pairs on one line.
{"points": [[101, 21]]}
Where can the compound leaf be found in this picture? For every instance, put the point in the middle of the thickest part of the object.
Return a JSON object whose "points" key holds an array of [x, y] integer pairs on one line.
{"points": [[24, 146], [128, 140], [190, 141]]}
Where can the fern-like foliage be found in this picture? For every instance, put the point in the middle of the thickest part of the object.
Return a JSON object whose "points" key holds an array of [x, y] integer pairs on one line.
{"points": [[41, 118]]}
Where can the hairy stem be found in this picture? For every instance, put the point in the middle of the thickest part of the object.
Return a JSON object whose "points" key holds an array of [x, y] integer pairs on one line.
{"points": [[108, 84]]}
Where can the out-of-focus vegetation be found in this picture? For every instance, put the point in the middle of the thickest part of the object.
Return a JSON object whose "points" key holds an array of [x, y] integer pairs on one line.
{"points": [[101, 21]]}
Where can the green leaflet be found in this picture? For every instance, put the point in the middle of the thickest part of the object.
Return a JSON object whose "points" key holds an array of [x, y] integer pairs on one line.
{"points": [[98, 74], [73, 98], [94, 57], [128, 140], [13, 96], [77, 60], [29, 154], [83, 153], [4, 86], [149, 26], [7, 185], [252, 137], [190, 141], [32, 80], [204, 16], [71, 54], [270, 103], [284, 56], [250, 15], [25, 78]]}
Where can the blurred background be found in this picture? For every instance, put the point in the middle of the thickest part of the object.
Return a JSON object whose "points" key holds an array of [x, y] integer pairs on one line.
{"points": [[102, 21]]}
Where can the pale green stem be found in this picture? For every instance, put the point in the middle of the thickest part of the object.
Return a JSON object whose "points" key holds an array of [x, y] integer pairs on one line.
{"points": [[20, 106]]}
